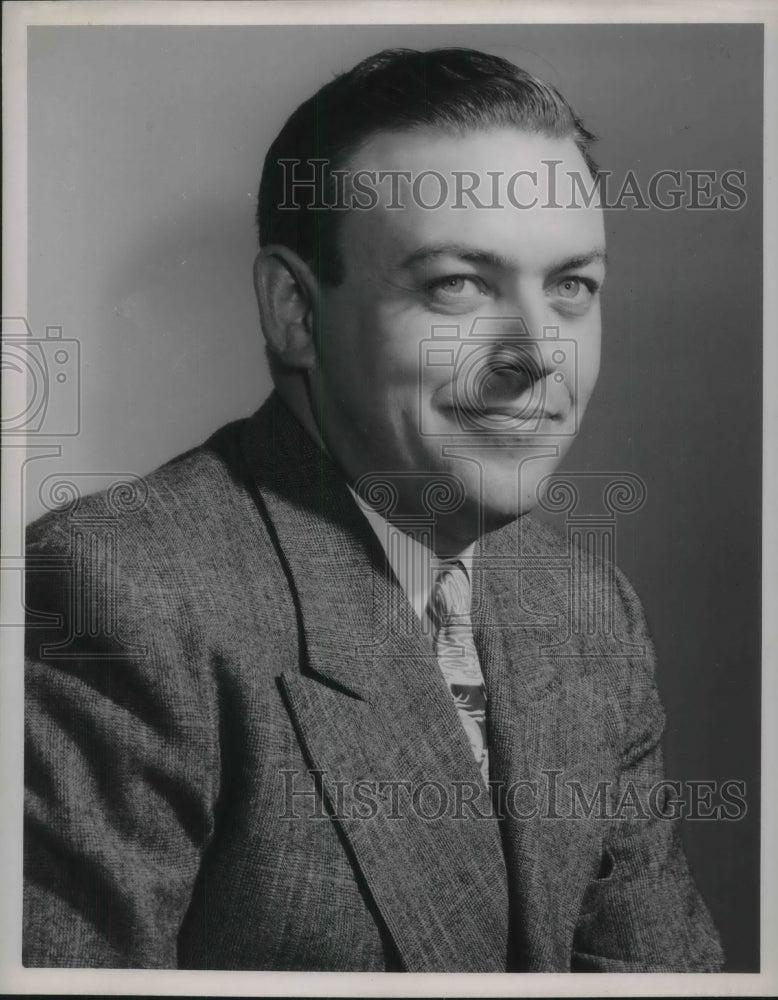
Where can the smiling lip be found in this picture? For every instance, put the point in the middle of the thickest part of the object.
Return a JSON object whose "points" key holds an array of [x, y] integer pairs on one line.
{"points": [[508, 418], [516, 413], [530, 410]]}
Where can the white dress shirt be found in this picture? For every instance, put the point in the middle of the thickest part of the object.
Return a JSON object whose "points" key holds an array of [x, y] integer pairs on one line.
{"points": [[413, 563]]}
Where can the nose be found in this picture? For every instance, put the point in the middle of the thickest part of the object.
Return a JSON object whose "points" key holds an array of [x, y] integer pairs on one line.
{"points": [[521, 349], [512, 367], [522, 361]]}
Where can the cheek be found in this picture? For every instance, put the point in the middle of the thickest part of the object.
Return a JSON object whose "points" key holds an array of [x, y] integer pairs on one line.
{"points": [[360, 335], [591, 363], [390, 352], [588, 360]]}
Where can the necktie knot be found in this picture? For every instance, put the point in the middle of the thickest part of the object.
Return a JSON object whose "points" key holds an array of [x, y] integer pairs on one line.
{"points": [[450, 597]]}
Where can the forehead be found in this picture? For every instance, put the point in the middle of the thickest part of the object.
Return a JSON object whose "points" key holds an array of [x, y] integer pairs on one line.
{"points": [[528, 203]]}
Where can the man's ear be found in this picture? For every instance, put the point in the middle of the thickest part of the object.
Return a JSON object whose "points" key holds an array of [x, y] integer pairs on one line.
{"points": [[286, 292]]}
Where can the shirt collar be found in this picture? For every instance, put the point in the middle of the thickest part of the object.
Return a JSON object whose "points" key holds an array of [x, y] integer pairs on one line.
{"points": [[414, 564]]}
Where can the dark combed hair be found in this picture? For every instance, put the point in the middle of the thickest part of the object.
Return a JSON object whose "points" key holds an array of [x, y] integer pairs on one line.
{"points": [[456, 90]]}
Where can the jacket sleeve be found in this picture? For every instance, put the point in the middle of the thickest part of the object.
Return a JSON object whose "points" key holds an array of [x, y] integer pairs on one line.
{"points": [[643, 913], [121, 758]]}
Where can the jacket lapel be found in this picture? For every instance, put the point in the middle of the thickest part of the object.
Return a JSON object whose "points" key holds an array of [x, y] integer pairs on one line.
{"points": [[375, 718], [513, 773], [544, 854]]}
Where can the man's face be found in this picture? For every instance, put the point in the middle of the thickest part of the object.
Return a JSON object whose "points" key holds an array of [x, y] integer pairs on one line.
{"points": [[432, 356]]}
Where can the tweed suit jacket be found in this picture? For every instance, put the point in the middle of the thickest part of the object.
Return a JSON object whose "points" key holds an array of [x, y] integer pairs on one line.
{"points": [[241, 753]]}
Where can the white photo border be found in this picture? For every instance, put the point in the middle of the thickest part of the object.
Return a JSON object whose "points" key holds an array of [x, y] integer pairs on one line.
{"points": [[14, 979]]}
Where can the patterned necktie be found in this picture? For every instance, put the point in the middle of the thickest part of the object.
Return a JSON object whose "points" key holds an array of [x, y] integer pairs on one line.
{"points": [[449, 609]]}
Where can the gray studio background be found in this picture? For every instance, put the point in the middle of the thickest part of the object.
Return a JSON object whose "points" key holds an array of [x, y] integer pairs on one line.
{"points": [[145, 148]]}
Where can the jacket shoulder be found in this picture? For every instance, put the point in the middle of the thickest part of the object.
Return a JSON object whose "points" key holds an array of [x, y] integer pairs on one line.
{"points": [[184, 550], [544, 548], [580, 615], [194, 500]]}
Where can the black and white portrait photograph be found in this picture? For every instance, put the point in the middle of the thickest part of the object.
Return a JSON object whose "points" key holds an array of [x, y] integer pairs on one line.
{"points": [[386, 576]]}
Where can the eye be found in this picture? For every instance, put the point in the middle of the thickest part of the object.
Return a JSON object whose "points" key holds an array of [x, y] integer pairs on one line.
{"points": [[453, 286], [574, 294], [571, 288]]}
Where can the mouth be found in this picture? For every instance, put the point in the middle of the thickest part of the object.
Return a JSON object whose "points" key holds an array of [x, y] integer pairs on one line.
{"points": [[531, 409]]}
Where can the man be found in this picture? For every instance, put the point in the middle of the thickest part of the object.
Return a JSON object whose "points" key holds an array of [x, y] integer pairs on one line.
{"points": [[316, 695]]}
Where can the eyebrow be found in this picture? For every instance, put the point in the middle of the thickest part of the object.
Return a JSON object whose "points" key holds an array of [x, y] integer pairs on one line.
{"points": [[475, 256]]}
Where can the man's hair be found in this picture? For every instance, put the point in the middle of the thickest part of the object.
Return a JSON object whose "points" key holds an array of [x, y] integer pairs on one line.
{"points": [[455, 90]]}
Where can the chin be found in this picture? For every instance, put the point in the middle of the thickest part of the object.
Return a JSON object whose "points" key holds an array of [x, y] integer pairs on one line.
{"points": [[514, 491], [500, 507]]}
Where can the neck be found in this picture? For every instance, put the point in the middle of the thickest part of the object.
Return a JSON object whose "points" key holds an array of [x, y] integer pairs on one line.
{"points": [[292, 387], [452, 535]]}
